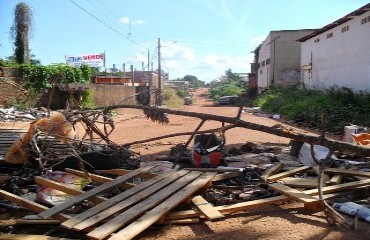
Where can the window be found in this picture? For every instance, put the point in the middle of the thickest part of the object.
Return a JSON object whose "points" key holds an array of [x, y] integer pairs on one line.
{"points": [[260, 71], [267, 61], [345, 29], [258, 66], [329, 35], [317, 40], [263, 63], [365, 20]]}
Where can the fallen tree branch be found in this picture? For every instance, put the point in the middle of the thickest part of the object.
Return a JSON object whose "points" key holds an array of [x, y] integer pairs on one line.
{"points": [[317, 140]]}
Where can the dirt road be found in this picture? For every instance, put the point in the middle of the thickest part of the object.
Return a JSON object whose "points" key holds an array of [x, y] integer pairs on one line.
{"points": [[289, 221], [275, 222]]}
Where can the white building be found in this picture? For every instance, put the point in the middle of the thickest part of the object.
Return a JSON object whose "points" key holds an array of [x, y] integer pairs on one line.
{"points": [[279, 58], [339, 53]]}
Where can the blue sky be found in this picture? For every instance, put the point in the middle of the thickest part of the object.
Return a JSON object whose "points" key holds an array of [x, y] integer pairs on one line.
{"points": [[198, 37]]}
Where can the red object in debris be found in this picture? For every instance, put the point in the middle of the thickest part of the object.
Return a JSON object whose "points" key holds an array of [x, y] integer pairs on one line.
{"points": [[210, 160]]}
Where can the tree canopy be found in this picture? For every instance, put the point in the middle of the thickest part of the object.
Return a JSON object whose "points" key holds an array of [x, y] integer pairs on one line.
{"points": [[20, 32]]}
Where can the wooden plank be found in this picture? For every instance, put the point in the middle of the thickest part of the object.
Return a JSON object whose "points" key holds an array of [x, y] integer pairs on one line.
{"points": [[237, 207], [287, 173], [279, 199], [140, 208], [183, 221], [347, 172], [272, 170], [98, 178], [124, 171], [153, 215], [32, 206], [309, 202], [132, 195], [182, 214], [207, 209], [224, 176], [65, 188], [29, 237], [70, 202], [300, 182], [36, 222], [213, 169]]}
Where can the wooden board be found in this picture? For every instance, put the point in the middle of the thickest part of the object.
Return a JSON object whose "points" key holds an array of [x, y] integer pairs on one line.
{"points": [[207, 209], [287, 173], [309, 202], [29, 237], [224, 176], [140, 208], [117, 203], [70, 202], [28, 204], [155, 214], [237, 207], [347, 172], [300, 182], [124, 171], [272, 170], [98, 178]]}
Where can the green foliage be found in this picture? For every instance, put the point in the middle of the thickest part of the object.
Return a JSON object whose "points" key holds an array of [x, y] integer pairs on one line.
{"points": [[20, 32], [12, 102], [41, 77], [181, 93], [88, 99], [194, 82], [229, 84], [341, 105], [224, 90], [171, 99]]}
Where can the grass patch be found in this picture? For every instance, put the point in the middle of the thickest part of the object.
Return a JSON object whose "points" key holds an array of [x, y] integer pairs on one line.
{"points": [[342, 106]]}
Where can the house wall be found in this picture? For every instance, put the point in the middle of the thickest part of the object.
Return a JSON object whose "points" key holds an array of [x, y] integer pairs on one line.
{"points": [[284, 66], [342, 60], [107, 95]]}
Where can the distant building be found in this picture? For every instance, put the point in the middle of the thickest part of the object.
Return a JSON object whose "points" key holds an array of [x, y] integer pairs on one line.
{"points": [[339, 53], [279, 58]]}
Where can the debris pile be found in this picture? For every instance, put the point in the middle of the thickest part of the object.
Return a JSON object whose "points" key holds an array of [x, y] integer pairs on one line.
{"points": [[103, 190]]}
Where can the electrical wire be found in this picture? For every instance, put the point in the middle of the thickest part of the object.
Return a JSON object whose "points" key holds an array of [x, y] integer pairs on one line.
{"points": [[109, 26]]}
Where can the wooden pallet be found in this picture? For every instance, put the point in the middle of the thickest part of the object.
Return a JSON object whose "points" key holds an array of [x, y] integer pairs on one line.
{"points": [[137, 208]]}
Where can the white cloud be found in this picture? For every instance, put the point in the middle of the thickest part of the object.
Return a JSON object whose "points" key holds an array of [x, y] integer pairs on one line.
{"points": [[126, 20], [174, 51]]}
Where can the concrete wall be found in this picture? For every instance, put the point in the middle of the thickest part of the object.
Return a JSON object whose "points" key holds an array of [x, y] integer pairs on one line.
{"points": [[342, 60], [106, 95], [284, 55]]}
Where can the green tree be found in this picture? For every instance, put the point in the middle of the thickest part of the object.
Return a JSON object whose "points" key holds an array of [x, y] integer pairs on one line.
{"points": [[20, 32], [194, 82]]}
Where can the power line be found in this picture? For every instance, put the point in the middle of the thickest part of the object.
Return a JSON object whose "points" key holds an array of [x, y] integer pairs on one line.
{"points": [[107, 25]]}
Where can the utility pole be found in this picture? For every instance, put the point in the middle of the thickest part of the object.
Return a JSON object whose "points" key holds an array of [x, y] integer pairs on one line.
{"points": [[273, 62], [159, 74], [132, 75]]}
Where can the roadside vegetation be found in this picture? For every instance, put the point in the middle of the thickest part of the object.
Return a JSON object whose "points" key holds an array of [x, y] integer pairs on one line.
{"points": [[341, 105], [228, 85], [171, 98]]}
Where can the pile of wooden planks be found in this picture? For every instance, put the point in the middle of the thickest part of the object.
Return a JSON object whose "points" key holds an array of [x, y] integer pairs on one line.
{"points": [[129, 213]]}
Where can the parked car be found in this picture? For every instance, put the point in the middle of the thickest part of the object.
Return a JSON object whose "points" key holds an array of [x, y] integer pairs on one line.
{"points": [[227, 100]]}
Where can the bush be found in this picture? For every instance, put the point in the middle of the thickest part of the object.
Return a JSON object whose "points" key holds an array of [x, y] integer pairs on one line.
{"points": [[88, 99], [171, 99], [341, 105]]}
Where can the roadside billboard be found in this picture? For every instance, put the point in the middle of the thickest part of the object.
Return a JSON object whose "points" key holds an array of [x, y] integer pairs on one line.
{"points": [[92, 60]]}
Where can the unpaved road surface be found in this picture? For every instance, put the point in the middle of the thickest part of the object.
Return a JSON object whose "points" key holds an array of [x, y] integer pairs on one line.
{"points": [[276, 222]]}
